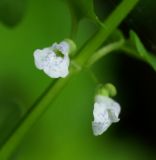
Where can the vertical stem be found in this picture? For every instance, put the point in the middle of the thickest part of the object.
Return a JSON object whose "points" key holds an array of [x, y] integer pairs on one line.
{"points": [[112, 22]]}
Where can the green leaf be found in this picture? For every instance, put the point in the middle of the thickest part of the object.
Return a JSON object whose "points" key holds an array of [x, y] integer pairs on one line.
{"points": [[117, 35], [141, 50], [82, 8], [12, 11]]}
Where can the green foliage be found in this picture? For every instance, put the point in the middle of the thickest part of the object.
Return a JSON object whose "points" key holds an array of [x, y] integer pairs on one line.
{"points": [[141, 50], [12, 11], [81, 9], [55, 88]]}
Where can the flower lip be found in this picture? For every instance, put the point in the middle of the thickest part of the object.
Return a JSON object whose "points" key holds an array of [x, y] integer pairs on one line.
{"points": [[106, 112], [62, 48]]}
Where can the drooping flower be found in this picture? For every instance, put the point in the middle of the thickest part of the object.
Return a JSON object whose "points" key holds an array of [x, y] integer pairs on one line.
{"points": [[106, 112], [53, 60]]}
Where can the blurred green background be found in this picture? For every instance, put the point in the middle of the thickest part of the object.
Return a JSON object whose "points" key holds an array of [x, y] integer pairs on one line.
{"points": [[64, 131]]}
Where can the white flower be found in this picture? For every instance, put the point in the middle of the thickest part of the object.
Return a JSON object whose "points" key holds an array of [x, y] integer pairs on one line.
{"points": [[106, 112], [54, 60]]}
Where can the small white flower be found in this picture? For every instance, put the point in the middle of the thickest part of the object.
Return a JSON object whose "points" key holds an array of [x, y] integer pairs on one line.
{"points": [[106, 112], [54, 60]]}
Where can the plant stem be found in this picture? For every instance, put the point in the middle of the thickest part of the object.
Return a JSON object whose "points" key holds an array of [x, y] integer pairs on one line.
{"points": [[55, 88], [110, 24], [150, 59], [103, 51], [31, 117], [130, 51]]}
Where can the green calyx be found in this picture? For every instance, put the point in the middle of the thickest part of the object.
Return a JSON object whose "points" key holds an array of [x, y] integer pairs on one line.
{"points": [[108, 90], [72, 48]]}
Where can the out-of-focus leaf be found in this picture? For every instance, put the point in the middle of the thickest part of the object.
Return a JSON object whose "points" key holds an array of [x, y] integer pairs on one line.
{"points": [[12, 11], [10, 115], [12, 105], [141, 50], [82, 8], [115, 36]]}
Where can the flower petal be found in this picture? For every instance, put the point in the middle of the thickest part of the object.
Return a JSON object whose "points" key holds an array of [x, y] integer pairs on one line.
{"points": [[106, 112], [53, 65], [63, 47]]}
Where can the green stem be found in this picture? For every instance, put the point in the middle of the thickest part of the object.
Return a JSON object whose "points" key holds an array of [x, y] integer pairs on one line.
{"points": [[31, 117], [147, 58], [51, 93], [104, 51], [112, 22], [94, 77], [130, 51]]}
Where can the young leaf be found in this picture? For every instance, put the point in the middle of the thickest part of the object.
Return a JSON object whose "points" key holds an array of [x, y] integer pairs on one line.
{"points": [[141, 50], [12, 11], [82, 8]]}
